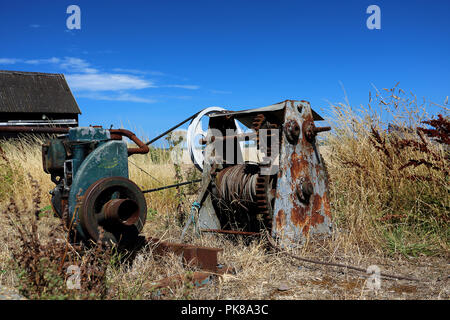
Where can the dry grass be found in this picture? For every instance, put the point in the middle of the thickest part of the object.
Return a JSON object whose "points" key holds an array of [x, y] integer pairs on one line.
{"points": [[383, 217], [381, 198]]}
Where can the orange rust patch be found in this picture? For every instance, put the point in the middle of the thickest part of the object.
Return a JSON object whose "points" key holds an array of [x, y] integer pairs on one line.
{"points": [[299, 166], [316, 217], [317, 203], [307, 116], [305, 229], [281, 219], [298, 215], [318, 169], [326, 205]]}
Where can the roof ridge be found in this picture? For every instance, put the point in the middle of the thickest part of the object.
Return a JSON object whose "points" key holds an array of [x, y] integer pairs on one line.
{"points": [[30, 73], [35, 92]]}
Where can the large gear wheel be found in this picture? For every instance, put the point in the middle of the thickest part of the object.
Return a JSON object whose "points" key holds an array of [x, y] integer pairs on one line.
{"points": [[256, 125], [264, 183], [262, 200]]}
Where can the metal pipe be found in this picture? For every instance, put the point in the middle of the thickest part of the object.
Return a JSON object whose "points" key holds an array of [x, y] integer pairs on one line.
{"points": [[125, 211], [321, 129], [242, 136], [23, 129], [143, 149]]}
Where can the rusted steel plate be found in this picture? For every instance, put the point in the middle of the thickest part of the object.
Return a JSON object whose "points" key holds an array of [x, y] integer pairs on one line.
{"points": [[202, 257], [301, 205]]}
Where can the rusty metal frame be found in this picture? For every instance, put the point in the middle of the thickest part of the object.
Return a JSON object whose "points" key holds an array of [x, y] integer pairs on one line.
{"points": [[302, 207]]}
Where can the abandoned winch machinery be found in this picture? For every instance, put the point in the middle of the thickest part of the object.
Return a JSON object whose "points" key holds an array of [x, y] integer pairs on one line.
{"points": [[268, 176]]}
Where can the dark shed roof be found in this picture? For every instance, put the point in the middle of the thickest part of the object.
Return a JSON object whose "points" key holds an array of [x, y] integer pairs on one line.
{"points": [[36, 93]]}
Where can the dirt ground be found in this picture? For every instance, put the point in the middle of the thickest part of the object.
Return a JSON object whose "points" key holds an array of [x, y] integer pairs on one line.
{"points": [[310, 282], [296, 280]]}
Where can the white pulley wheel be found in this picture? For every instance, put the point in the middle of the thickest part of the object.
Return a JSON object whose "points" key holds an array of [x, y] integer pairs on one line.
{"points": [[195, 133]]}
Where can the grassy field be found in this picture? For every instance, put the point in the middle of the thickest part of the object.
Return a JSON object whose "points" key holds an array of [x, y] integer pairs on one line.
{"points": [[389, 193]]}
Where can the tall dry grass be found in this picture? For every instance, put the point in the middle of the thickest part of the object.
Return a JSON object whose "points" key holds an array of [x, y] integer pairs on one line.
{"points": [[389, 176], [19, 159]]}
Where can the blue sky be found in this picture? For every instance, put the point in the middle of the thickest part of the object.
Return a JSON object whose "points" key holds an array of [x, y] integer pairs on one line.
{"points": [[150, 64]]}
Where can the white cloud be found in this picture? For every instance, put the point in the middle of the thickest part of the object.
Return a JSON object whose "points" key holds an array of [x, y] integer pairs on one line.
{"points": [[43, 61], [121, 70], [84, 78], [77, 65], [9, 61], [107, 82], [141, 72], [120, 97], [67, 63], [183, 86], [34, 61]]}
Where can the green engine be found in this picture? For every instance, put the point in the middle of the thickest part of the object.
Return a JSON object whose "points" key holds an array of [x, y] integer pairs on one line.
{"points": [[93, 194]]}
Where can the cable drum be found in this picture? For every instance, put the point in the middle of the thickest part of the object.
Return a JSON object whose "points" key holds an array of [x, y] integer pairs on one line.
{"points": [[240, 199], [237, 184]]}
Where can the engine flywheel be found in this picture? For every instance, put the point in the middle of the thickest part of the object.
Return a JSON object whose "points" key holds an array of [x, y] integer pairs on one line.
{"points": [[114, 206]]}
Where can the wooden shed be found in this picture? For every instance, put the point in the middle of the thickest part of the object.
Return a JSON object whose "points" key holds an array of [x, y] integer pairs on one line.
{"points": [[36, 99]]}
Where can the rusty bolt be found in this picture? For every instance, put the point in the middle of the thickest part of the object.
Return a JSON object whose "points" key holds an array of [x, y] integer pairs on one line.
{"points": [[309, 131], [292, 131]]}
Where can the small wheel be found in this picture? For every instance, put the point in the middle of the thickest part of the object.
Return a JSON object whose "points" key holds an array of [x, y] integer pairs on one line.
{"points": [[116, 205]]}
